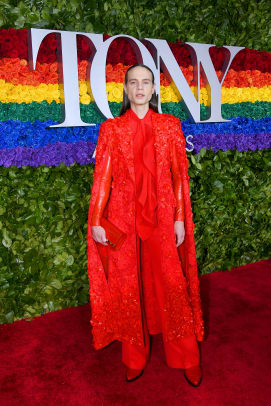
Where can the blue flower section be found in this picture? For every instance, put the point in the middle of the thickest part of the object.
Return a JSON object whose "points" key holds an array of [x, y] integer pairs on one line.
{"points": [[34, 144], [237, 125], [38, 134]]}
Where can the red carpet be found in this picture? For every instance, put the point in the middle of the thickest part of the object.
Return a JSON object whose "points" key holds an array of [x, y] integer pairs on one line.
{"points": [[50, 361]]}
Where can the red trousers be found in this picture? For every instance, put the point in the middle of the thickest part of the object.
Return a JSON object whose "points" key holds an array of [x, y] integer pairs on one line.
{"points": [[183, 353]]}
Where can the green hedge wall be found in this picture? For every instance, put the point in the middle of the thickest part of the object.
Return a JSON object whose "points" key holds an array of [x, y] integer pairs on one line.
{"points": [[43, 226], [220, 22]]}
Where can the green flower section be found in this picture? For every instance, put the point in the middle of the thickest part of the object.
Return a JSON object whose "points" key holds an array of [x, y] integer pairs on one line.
{"points": [[43, 226], [44, 111]]}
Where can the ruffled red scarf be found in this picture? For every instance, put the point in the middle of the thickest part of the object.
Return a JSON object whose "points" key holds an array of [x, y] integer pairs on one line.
{"points": [[145, 173]]}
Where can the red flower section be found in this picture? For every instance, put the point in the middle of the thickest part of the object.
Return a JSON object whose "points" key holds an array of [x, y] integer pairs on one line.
{"points": [[13, 44]]}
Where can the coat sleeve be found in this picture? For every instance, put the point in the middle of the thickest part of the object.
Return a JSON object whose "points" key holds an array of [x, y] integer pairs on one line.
{"points": [[187, 250], [101, 176], [102, 322], [103, 191], [177, 185]]}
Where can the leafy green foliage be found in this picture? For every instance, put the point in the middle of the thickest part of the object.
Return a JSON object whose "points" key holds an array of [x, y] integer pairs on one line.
{"points": [[43, 226], [219, 22], [231, 199]]}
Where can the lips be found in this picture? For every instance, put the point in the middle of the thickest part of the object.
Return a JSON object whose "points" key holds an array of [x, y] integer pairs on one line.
{"points": [[139, 95]]}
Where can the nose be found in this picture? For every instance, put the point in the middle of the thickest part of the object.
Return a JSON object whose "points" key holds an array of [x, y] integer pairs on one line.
{"points": [[139, 86]]}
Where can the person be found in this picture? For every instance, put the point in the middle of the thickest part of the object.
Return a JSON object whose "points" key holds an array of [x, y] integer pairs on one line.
{"points": [[150, 284]]}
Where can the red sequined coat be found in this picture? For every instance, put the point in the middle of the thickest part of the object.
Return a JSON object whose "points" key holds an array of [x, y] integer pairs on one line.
{"points": [[115, 303]]}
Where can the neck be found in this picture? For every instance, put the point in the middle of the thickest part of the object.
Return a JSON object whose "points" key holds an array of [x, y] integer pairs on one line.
{"points": [[140, 110]]}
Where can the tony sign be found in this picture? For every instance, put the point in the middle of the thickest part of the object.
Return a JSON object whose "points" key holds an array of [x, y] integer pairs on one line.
{"points": [[164, 59]]}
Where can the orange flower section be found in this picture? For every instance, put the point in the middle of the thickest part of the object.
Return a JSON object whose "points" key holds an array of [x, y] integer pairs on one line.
{"points": [[16, 71]]}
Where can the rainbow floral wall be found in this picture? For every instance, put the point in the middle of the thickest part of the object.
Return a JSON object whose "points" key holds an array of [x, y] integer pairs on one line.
{"points": [[30, 102]]}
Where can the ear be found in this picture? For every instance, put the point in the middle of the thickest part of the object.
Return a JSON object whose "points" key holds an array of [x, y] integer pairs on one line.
{"points": [[125, 88], [153, 88]]}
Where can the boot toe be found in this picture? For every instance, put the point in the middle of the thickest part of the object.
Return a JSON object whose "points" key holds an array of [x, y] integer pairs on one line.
{"points": [[193, 375], [133, 374]]}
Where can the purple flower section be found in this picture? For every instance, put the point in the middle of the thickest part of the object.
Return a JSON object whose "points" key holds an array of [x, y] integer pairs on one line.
{"points": [[81, 152], [241, 142], [50, 155]]}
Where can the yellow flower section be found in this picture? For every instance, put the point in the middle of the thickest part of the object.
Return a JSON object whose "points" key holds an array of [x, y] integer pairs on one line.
{"points": [[10, 93]]}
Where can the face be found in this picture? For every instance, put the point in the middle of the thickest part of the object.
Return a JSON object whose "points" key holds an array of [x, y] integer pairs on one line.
{"points": [[139, 87]]}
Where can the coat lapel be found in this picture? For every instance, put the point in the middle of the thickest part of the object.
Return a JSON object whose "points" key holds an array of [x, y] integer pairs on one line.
{"points": [[127, 143], [160, 143]]}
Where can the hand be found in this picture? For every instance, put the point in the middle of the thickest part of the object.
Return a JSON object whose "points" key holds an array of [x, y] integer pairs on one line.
{"points": [[179, 231], [98, 234]]}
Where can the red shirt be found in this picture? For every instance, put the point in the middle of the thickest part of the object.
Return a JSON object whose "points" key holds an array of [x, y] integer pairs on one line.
{"points": [[145, 173]]}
